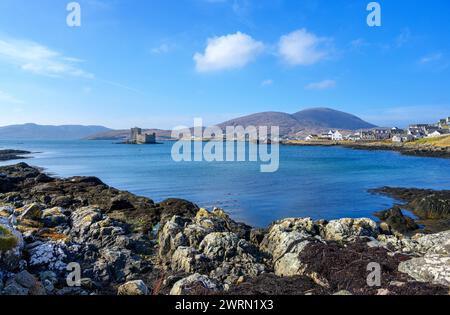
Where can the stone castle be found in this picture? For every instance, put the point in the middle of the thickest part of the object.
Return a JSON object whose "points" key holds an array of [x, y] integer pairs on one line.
{"points": [[138, 137]]}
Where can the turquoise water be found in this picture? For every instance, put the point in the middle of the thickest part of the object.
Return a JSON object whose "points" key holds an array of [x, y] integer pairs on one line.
{"points": [[318, 182]]}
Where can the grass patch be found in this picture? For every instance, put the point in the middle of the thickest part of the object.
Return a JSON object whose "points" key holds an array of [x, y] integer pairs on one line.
{"points": [[443, 141], [7, 240]]}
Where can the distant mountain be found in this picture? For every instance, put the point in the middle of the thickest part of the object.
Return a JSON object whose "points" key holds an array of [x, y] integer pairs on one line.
{"points": [[305, 120], [312, 120], [287, 123], [330, 118], [41, 132]]}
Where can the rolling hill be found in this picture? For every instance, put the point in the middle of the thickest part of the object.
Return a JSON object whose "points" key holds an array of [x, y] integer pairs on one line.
{"points": [[41, 132], [330, 118], [313, 119]]}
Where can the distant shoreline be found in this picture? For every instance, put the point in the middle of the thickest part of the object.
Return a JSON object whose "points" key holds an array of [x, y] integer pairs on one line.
{"points": [[411, 149]]}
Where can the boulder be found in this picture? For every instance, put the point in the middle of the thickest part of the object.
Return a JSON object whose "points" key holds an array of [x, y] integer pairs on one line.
{"points": [[396, 221], [30, 212], [219, 246], [431, 268], [285, 236], [195, 284], [28, 281], [136, 287], [178, 207], [347, 229], [48, 256]]}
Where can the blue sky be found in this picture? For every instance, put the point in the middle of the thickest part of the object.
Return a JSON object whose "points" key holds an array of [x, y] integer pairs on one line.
{"points": [[159, 63]]}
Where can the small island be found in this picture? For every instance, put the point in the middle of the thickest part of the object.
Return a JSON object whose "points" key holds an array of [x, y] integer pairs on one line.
{"points": [[7, 155], [139, 137]]}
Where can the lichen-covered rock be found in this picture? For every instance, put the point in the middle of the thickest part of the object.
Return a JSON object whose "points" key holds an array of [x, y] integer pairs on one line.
{"points": [[219, 246], [193, 283], [31, 212], [344, 229], [207, 244], [431, 268], [136, 287], [286, 236], [438, 243], [54, 217], [188, 259], [48, 256]]}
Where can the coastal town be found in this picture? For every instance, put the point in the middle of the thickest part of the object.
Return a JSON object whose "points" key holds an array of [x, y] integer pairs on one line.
{"points": [[394, 134]]}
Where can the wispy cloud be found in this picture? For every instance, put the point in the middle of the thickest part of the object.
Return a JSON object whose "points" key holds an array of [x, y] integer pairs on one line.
{"points": [[39, 59], [302, 48], [431, 58], [435, 62], [322, 85], [228, 52], [163, 48], [9, 99], [403, 38], [267, 82]]}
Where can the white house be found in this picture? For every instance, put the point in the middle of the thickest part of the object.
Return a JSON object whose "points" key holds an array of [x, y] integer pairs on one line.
{"points": [[435, 134], [402, 138], [312, 137], [337, 136]]}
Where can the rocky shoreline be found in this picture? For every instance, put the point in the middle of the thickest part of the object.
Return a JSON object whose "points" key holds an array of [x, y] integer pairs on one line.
{"points": [[7, 155], [130, 245], [420, 150]]}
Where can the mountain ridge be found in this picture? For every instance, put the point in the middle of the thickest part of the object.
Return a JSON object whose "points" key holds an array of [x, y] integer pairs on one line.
{"points": [[312, 120], [299, 124], [32, 131]]}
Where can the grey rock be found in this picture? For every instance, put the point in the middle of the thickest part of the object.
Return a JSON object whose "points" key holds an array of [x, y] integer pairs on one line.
{"points": [[136, 287], [186, 285]]}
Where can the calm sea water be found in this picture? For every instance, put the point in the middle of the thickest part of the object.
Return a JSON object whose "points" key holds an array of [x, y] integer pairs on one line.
{"points": [[318, 182]]}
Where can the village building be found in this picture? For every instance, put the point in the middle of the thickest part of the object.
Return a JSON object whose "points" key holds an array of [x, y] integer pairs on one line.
{"points": [[397, 131], [312, 138], [367, 135], [382, 134], [402, 138], [353, 137], [437, 133], [337, 136], [326, 136]]}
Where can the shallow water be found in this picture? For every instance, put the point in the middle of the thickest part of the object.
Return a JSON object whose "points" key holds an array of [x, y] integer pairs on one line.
{"points": [[318, 182]]}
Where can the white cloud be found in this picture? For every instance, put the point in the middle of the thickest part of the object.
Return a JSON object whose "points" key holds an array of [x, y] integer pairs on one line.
{"points": [[162, 49], [228, 52], [403, 38], [431, 58], [302, 48], [9, 99], [322, 85], [267, 82], [38, 59]]}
